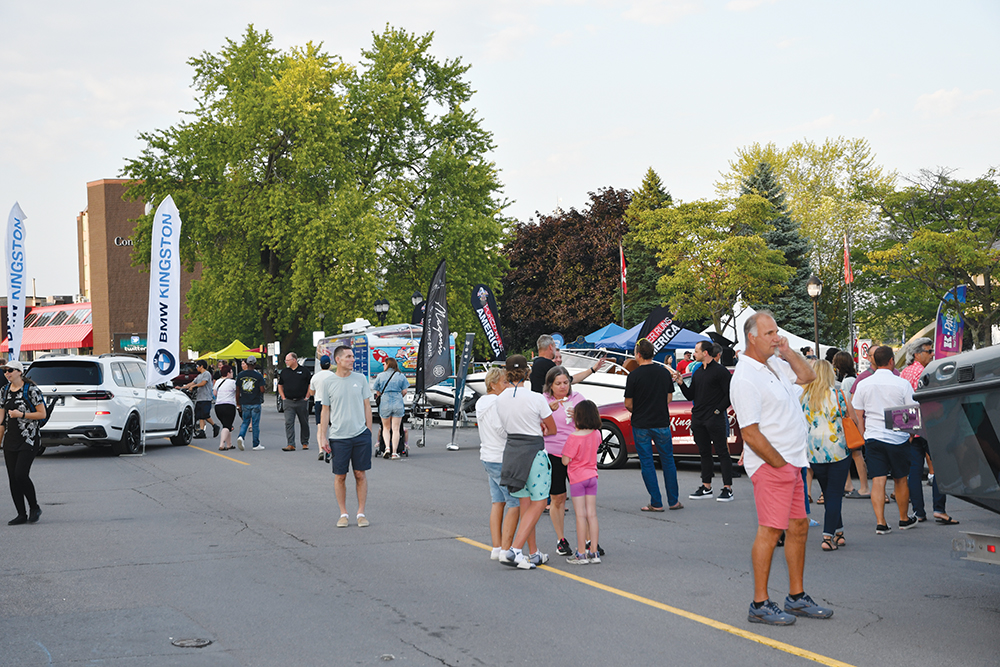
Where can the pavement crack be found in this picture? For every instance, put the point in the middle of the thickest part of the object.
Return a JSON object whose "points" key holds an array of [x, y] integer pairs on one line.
{"points": [[429, 655]]}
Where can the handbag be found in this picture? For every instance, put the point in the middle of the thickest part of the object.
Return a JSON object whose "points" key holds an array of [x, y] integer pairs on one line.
{"points": [[851, 433]]}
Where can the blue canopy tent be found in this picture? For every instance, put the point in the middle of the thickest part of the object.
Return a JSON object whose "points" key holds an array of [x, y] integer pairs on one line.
{"points": [[626, 340], [596, 337]]}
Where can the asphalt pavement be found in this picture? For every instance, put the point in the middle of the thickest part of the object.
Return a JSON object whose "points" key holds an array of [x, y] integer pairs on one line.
{"points": [[240, 548]]}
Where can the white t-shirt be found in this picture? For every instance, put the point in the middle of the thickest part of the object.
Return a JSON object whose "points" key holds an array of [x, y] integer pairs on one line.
{"points": [[316, 383], [492, 437], [225, 391], [522, 411], [770, 400], [879, 391]]}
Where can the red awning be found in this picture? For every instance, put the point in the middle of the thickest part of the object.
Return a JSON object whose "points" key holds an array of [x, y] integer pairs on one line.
{"points": [[55, 338]]}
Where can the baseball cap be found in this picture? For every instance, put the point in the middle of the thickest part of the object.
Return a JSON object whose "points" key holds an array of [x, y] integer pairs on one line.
{"points": [[251, 360], [517, 361], [14, 365], [325, 359]]}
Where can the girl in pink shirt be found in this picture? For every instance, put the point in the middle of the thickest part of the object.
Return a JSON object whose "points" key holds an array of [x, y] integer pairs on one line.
{"points": [[579, 455]]}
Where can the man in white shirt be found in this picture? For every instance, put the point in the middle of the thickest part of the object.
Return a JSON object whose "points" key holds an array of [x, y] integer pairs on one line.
{"points": [[886, 451], [774, 434]]}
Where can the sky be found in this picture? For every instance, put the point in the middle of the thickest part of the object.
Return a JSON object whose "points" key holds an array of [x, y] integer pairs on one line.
{"points": [[579, 94]]}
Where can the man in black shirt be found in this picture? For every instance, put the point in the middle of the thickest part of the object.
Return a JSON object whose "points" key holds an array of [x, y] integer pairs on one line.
{"points": [[709, 394], [293, 385], [648, 392], [543, 363]]}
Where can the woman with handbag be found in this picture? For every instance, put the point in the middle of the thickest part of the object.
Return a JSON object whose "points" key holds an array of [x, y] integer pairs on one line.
{"points": [[843, 364], [21, 414], [826, 409], [390, 387]]}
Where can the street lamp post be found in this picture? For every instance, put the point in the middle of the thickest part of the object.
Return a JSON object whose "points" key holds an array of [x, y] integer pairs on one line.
{"points": [[815, 287], [381, 308]]}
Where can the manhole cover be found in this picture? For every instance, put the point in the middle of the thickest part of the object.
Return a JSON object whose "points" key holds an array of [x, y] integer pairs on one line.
{"points": [[191, 643]]}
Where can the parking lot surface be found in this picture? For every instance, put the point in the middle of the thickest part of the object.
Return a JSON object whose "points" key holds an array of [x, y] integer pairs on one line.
{"points": [[240, 548]]}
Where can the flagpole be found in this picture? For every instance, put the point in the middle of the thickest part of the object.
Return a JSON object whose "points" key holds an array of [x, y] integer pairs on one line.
{"points": [[621, 279]]}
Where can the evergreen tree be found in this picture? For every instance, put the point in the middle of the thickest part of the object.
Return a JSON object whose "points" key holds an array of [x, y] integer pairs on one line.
{"points": [[640, 259], [792, 308]]}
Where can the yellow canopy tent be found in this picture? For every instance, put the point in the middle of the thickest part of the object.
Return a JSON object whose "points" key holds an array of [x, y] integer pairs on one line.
{"points": [[235, 350]]}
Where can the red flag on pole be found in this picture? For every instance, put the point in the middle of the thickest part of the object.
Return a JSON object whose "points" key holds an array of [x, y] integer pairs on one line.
{"points": [[848, 274], [621, 253]]}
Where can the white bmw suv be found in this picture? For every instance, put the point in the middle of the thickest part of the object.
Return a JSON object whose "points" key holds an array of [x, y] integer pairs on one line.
{"points": [[103, 401]]}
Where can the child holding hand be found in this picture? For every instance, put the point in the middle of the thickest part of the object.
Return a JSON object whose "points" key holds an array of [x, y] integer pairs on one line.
{"points": [[580, 458]]}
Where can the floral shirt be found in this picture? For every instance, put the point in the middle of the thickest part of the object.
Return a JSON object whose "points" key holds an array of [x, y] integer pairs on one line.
{"points": [[826, 440], [21, 434]]}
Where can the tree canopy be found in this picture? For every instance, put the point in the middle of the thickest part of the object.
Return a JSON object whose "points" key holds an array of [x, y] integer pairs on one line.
{"points": [[564, 271], [643, 270], [716, 255], [309, 188], [939, 233]]}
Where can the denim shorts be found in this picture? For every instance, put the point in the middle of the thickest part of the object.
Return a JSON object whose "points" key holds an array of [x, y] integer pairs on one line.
{"points": [[539, 479], [498, 494]]}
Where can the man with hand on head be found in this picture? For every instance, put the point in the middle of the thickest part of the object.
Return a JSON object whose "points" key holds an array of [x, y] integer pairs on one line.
{"points": [[775, 433]]}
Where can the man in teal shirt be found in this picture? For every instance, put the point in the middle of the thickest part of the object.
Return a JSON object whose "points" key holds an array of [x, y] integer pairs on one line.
{"points": [[347, 421]]}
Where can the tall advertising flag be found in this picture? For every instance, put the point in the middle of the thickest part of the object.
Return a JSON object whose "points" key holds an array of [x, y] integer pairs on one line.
{"points": [[485, 307], [659, 328], [163, 326], [950, 325], [16, 280], [434, 358]]}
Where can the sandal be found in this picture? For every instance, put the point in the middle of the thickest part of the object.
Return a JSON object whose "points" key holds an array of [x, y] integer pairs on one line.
{"points": [[945, 520], [839, 540], [828, 544], [651, 508], [820, 500]]}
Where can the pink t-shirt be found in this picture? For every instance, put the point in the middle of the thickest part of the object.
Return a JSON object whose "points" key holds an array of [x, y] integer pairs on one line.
{"points": [[554, 443], [581, 448]]}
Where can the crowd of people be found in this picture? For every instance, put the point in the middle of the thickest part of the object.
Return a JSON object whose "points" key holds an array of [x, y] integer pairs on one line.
{"points": [[795, 415]]}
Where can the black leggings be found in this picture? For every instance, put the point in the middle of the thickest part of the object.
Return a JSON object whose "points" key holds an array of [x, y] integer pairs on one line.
{"points": [[226, 412], [18, 468]]}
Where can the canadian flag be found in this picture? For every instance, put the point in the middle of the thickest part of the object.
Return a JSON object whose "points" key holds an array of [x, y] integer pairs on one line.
{"points": [[848, 273], [621, 254]]}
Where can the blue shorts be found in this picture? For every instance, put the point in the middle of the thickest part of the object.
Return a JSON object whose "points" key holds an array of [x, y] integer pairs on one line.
{"points": [[498, 494], [885, 460], [539, 479], [203, 410], [356, 451]]}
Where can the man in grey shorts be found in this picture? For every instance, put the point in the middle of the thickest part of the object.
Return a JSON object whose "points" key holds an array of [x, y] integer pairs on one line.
{"points": [[347, 421]]}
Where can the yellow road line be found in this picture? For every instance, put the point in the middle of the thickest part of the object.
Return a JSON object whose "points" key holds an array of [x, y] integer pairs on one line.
{"points": [[228, 458], [704, 620]]}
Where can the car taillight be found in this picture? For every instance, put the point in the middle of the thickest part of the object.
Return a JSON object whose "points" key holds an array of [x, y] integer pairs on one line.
{"points": [[102, 412], [96, 395]]}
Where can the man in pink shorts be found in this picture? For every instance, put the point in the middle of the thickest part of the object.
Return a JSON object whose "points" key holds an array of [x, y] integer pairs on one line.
{"points": [[774, 431]]}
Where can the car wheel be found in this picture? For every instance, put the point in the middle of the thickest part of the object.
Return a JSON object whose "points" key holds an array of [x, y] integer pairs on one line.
{"points": [[186, 431], [611, 453], [279, 403], [131, 439]]}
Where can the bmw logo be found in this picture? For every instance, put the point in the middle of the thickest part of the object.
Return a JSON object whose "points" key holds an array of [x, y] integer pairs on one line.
{"points": [[164, 362]]}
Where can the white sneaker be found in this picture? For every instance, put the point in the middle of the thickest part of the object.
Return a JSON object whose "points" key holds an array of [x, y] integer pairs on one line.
{"points": [[239, 443], [523, 562], [258, 448], [538, 558], [452, 447], [495, 554], [507, 557]]}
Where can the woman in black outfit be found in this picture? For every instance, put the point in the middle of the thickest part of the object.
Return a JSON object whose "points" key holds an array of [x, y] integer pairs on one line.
{"points": [[20, 434]]}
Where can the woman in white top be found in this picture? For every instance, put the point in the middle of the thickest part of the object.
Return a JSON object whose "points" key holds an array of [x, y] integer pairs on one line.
{"points": [[225, 405], [526, 471], [492, 440]]}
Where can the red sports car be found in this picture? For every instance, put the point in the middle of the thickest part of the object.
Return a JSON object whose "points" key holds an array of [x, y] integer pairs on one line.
{"points": [[616, 432]]}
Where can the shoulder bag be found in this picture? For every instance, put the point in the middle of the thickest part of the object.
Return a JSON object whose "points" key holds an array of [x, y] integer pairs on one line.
{"points": [[851, 433]]}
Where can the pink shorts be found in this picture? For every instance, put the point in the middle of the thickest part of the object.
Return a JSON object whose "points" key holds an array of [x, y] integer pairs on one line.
{"points": [[779, 494], [587, 487]]}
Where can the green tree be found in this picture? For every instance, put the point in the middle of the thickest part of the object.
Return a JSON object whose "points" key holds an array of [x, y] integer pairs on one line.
{"points": [[564, 271], [941, 233], [716, 254], [792, 307], [309, 188], [643, 271], [829, 189]]}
